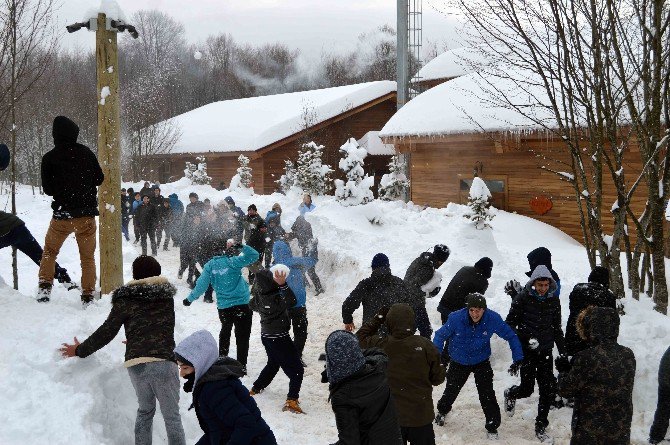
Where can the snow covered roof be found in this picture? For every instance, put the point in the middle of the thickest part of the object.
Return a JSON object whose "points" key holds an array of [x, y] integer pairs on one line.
{"points": [[256, 122], [464, 105], [108, 7], [453, 63], [374, 145]]}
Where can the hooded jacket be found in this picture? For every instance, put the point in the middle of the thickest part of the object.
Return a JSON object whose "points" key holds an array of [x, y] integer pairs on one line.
{"points": [[536, 316], [281, 254], [9, 222], [414, 364], [362, 402], [542, 257], [176, 206], [145, 308], [466, 281], [255, 231], [381, 289], [225, 410], [469, 342], [601, 381], [272, 302], [70, 173], [224, 273]]}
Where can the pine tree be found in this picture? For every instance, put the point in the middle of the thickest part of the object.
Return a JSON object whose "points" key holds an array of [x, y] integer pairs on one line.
{"points": [[197, 173], [394, 184], [478, 202], [311, 175], [357, 188], [288, 179], [243, 180]]}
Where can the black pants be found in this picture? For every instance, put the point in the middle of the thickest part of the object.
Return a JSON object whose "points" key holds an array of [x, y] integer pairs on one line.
{"points": [[298, 317], [268, 253], [24, 241], [151, 233], [662, 416], [240, 317], [537, 366], [136, 229], [188, 261], [283, 354], [124, 227], [159, 235], [457, 375], [418, 435], [423, 322]]}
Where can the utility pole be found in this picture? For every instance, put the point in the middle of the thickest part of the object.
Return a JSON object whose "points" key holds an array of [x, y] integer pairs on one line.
{"points": [[109, 150], [12, 92], [402, 76]]}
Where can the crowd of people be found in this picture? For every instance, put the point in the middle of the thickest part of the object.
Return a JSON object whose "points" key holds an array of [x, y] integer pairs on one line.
{"points": [[380, 376]]}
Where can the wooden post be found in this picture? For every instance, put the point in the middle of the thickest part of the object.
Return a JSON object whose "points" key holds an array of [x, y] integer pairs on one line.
{"points": [[109, 156]]}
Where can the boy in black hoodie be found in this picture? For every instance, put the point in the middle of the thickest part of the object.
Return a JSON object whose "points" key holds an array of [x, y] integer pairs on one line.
{"points": [[271, 299]]}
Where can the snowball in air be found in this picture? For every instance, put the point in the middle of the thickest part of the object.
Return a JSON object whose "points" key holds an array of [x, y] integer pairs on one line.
{"points": [[197, 55]]}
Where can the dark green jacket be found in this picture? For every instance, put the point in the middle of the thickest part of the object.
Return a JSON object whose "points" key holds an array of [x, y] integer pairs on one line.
{"points": [[414, 364], [8, 222]]}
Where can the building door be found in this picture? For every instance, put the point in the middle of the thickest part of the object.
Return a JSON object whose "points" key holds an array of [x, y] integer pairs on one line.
{"points": [[497, 186]]}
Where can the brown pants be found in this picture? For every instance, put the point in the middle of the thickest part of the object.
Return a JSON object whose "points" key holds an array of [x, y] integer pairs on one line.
{"points": [[84, 229]]}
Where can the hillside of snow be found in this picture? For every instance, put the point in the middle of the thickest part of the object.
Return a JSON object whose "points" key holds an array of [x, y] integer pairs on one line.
{"points": [[48, 399]]}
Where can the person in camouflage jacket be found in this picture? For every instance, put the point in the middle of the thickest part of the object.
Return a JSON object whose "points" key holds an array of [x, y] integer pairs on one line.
{"points": [[601, 381]]}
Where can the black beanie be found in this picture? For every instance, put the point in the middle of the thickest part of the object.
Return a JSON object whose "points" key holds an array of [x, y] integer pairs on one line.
{"points": [[475, 300], [600, 275], [485, 266], [252, 207], [380, 260], [441, 252], [145, 267]]}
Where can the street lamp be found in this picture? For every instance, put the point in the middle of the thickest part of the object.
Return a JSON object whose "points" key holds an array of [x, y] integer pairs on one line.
{"points": [[111, 25]]}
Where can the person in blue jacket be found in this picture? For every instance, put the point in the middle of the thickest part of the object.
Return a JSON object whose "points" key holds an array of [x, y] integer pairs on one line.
{"points": [[306, 205], [224, 273], [469, 333], [177, 208], [225, 410], [137, 202], [281, 254]]}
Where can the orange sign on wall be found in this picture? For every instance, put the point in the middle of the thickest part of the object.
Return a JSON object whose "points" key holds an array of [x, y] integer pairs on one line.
{"points": [[541, 204]]}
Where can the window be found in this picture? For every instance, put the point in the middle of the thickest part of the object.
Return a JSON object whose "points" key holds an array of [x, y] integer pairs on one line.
{"points": [[497, 186]]}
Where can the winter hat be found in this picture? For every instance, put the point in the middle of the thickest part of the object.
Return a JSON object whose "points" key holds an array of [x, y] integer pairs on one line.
{"points": [[539, 256], [199, 349], [380, 260], [252, 207], [344, 356], [276, 207], [4, 157], [485, 266], [64, 131], [475, 299], [145, 266], [600, 275], [441, 252], [229, 200], [193, 195]]}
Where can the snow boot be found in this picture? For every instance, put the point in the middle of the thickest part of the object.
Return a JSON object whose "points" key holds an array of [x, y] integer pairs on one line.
{"points": [[180, 275], [557, 403], [492, 435], [293, 406], [510, 403], [86, 300], [44, 293], [319, 292], [439, 419], [64, 279], [541, 433]]}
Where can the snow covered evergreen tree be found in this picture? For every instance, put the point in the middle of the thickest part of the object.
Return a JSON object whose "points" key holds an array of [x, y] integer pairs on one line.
{"points": [[311, 175], [243, 179], [478, 200], [197, 173], [288, 179], [357, 188], [394, 184]]}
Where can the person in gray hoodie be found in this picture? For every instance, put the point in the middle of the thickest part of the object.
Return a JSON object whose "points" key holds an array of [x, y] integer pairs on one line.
{"points": [[225, 410]]}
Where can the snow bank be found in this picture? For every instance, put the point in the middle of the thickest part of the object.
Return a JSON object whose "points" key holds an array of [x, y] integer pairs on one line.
{"points": [[85, 401]]}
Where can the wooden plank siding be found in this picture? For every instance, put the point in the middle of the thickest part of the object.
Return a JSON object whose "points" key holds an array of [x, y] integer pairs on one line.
{"points": [[437, 163], [268, 162]]}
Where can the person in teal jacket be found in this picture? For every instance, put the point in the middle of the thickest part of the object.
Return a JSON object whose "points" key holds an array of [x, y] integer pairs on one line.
{"points": [[281, 254], [224, 273]]}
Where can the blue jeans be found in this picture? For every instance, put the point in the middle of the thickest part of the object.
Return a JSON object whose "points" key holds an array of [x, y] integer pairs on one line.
{"points": [[21, 238], [157, 381]]}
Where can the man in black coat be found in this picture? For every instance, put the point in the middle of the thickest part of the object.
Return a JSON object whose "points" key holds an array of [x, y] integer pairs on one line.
{"points": [[381, 289], [662, 416], [70, 174], [468, 280], [594, 293], [255, 231], [147, 218], [535, 315], [423, 279]]}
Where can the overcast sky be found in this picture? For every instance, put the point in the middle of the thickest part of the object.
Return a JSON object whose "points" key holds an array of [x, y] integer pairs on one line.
{"points": [[312, 26]]}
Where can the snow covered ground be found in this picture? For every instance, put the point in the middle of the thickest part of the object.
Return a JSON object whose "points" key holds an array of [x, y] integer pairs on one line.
{"points": [[47, 399]]}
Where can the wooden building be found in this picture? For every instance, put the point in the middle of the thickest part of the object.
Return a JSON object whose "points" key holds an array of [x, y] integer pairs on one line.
{"points": [[452, 134], [270, 129]]}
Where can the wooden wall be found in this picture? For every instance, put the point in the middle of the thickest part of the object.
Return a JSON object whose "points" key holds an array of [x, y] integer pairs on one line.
{"points": [[436, 169]]}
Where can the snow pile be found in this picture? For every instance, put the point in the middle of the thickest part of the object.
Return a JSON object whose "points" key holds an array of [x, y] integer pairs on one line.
{"points": [[357, 188], [255, 122], [86, 401], [373, 144], [311, 175], [104, 94], [393, 184], [453, 63], [480, 211], [197, 173], [108, 7]]}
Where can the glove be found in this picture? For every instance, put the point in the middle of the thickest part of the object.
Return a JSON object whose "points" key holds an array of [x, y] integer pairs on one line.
{"points": [[563, 364], [512, 288], [186, 302], [533, 343], [514, 369], [435, 291]]}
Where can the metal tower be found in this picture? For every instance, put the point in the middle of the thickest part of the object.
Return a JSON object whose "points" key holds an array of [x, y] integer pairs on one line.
{"points": [[410, 34]]}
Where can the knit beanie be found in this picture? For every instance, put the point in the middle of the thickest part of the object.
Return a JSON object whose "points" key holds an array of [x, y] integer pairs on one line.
{"points": [[600, 275], [344, 356], [229, 200], [475, 299], [485, 266], [380, 260], [441, 252], [4, 157], [252, 207], [145, 267]]}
